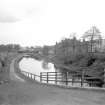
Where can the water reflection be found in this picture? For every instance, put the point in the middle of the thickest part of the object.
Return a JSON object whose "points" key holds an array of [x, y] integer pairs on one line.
{"points": [[45, 65], [34, 66]]}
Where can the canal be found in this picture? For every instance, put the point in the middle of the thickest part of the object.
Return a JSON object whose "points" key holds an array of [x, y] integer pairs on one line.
{"points": [[35, 66]]}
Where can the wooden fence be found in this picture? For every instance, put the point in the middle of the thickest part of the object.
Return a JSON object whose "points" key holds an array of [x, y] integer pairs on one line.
{"points": [[66, 78], [30, 75]]}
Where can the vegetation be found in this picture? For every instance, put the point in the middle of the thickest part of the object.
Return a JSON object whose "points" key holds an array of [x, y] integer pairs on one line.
{"points": [[7, 53], [94, 37], [86, 55]]}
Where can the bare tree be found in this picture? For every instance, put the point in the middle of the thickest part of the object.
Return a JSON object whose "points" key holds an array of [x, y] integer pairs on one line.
{"points": [[73, 40], [93, 36]]}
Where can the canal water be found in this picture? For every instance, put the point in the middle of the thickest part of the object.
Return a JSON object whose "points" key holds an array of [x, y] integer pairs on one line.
{"points": [[35, 66]]}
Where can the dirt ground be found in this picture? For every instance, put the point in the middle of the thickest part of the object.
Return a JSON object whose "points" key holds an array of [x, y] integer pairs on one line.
{"points": [[22, 92]]}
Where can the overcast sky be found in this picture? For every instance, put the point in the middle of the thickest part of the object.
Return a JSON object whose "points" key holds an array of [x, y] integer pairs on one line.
{"points": [[43, 22]]}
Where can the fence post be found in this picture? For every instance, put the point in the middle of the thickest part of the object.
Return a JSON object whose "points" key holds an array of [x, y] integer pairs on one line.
{"points": [[66, 78], [40, 76], [72, 80], [31, 76], [28, 74], [82, 78], [34, 77], [47, 77], [55, 77]]}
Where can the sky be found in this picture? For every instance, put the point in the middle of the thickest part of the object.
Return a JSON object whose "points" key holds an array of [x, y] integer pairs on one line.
{"points": [[43, 22]]}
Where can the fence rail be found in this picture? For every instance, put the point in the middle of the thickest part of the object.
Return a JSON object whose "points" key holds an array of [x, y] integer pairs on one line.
{"points": [[65, 78], [30, 75]]}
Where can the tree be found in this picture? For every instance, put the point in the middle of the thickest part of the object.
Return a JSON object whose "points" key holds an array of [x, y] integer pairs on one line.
{"points": [[74, 43], [93, 36], [45, 50]]}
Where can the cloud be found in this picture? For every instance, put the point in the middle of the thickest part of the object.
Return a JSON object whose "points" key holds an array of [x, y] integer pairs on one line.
{"points": [[31, 11], [15, 10], [15, 15], [6, 18]]}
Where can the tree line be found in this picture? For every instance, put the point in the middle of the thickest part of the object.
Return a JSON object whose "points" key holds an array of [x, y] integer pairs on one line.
{"points": [[87, 53]]}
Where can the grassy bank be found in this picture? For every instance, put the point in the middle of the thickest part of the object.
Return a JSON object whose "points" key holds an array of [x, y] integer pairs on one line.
{"points": [[7, 58]]}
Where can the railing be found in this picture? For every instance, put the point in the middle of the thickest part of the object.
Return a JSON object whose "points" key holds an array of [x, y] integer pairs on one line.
{"points": [[65, 78], [68, 79], [31, 75]]}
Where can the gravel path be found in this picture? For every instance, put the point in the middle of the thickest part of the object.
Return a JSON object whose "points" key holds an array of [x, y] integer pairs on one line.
{"points": [[13, 75]]}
